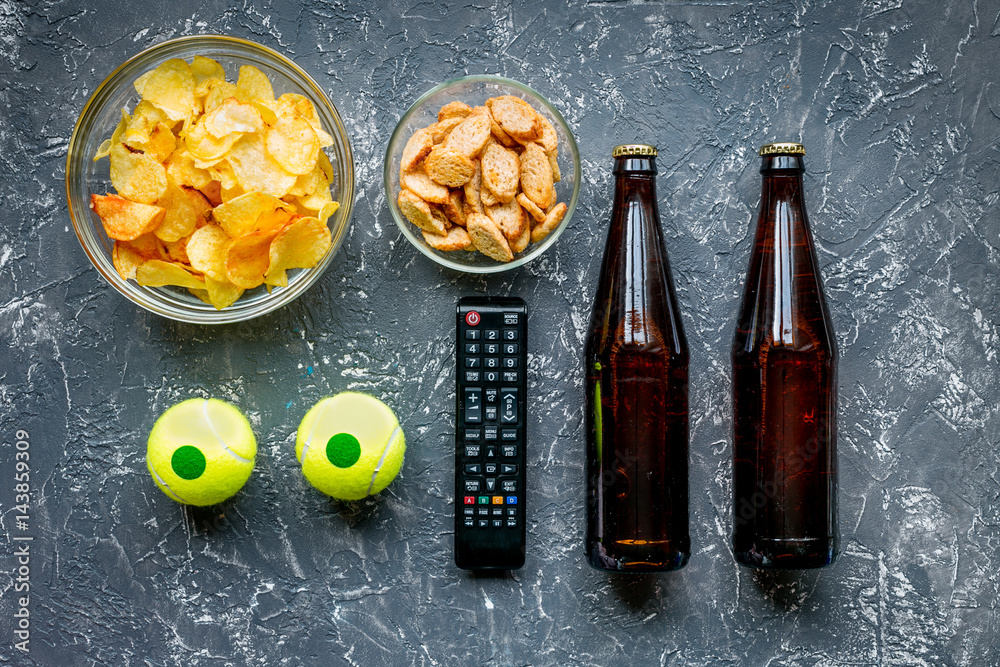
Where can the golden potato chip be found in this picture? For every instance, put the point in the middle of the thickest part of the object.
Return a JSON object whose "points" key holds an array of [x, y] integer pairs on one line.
{"points": [[222, 293], [185, 209], [247, 259], [328, 210], [158, 273], [203, 146], [455, 239], [128, 255], [232, 116], [182, 170], [253, 86], [203, 68], [488, 238], [293, 144], [302, 107], [300, 245], [216, 92], [213, 192], [276, 279], [201, 294], [454, 109], [207, 249], [160, 143], [253, 212], [104, 149], [306, 184], [552, 221], [449, 167], [124, 219], [319, 198], [501, 171], [471, 134], [137, 176], [145, 117], [171, 88], [416, 149], [177, 250], [421, 185], [255, 170], [419, 213], [223, 173], [536, 176], [515, 117]]}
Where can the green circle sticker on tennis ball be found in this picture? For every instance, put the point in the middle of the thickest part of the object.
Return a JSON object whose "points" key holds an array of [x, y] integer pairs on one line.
{"points": [[350, 446], [201, 451]]}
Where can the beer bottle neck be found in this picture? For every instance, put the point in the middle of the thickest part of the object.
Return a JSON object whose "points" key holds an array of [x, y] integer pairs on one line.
{"points": [[635, 165]]}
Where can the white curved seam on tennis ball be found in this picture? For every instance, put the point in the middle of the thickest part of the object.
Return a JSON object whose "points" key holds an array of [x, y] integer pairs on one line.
{"points": [[211, 426], [170, 492], [312, 432], [385, 452]]}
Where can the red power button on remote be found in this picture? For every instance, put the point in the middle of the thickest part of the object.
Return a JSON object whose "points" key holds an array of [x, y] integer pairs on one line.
{"points": [[472, 318]]}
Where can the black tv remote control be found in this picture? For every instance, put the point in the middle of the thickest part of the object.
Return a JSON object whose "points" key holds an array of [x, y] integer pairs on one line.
{"points": [[490, 429]]}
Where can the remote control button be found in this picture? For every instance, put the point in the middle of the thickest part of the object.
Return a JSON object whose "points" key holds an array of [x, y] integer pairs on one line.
{"points": [[491, 452], [511, 500], [508, 485], [491, 362], [471, 485], [505, 469], [498, 523], [473, 469], [497, 511], [491, 348], [511, 522], [483, 511], [511, 511], [491, 485], [497, 500], [491, 433], [472, 451], [484, 500], [510, 319], [491, 468], [473, 348], [473, 434], [473, 362], [508, 405], [472, 334], [484, 523], [472, 318], [510, 451], [510, 334], [508, 348], [508, 434], [470, 500], [469, 522], [491, 334], [473, 405], [472, 376], [491, 413], [508, 362], [469, 511], [491, 376], [491, 394], [508, 376]]}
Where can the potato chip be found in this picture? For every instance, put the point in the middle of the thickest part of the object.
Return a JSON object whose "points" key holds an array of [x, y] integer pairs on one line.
{"points": [[145, 117], [203, 146], [247, 260], [158, 273], [171, 88], [128, 255], [253, 86], [253, 212], [276, 279], [137, 176], [307, 184], [213, 192], [182, 170], [300, 245], [160, 143], [215, 93], [203, 68], [124, 219], [328, 210], [207, 249], [301, 107], [104, 149], [255, 170], [223, 173], [232, 116], [185, 209], [177, 250], [293, 144], [221, 293]]}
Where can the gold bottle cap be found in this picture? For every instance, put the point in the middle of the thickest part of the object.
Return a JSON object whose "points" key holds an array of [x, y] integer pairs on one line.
{"points": [[633, 149], [783, 148]]}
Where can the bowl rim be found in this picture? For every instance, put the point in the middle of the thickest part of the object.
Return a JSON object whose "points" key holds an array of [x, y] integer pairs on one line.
{"points": [[408, 229], [165, 305]]}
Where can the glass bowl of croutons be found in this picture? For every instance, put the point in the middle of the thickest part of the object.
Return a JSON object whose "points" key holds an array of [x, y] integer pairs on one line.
{"points": [[210, 179], [482, 174]]}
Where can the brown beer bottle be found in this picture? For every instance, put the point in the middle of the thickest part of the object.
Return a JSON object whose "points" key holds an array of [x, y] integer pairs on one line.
{"points": [[784, 387], [637, 388]]}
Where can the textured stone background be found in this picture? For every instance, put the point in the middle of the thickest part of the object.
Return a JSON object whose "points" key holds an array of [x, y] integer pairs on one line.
{"points": [[899, 105]]}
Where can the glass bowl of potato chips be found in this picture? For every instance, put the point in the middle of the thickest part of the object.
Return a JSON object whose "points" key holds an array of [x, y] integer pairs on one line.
{"points": [[210, 179], [482, 174]]}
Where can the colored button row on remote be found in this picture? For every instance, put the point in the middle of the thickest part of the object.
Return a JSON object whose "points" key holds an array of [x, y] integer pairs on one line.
{"points": [[489, 500]]}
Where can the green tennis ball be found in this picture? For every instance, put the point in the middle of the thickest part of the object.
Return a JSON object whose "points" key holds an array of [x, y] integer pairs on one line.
{"points": [[350, 446], [201, 451]]}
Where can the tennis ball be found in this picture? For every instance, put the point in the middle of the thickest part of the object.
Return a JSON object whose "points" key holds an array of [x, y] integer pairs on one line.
{"points": [[201, 451], [350, 446]]}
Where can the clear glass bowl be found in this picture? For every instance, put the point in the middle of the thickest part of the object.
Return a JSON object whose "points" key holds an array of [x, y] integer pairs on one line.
{"points": [[97, 122], [474, 91]]}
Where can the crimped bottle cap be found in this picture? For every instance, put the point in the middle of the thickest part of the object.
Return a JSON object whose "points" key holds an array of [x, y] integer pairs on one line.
{"points": [[783, 148], [633, 149]]}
